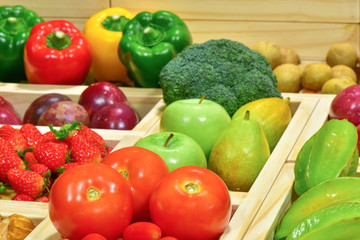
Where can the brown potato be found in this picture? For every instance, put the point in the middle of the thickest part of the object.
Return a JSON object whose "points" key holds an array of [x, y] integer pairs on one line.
{"points": [[315, 75], [335, 85], [342, 53], [270, 51], [339, 71], [289, 77], [289, 55]]}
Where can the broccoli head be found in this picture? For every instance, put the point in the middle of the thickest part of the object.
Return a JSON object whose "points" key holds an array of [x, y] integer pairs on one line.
{"points": [[223, 70]]}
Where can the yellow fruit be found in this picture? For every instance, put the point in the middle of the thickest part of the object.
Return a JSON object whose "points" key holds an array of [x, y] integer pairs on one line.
{"points": [[315, 75], [288, 77], [273, 114]]}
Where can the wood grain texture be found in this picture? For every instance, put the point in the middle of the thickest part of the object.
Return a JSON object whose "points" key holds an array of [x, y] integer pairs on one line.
{"points": [[345, 11]]}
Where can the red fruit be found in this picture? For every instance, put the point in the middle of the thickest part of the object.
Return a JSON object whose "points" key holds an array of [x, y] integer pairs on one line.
{"points": [[94, 236], [29, 158], [26, 182], [52, 154], [22, 197], [5, 104], [142, 231], [83, 151], [168, 238], [9, 117], [31, 134], [100, 94], [42, 199], [67, 166], [41, 169], [49, 136], [13, 137], [8, 159]]}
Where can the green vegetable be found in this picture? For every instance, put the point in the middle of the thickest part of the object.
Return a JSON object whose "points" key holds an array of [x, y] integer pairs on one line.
{"points": [[149, 42], [325, 194], [226, 71], [331, 152], [15, 25]]}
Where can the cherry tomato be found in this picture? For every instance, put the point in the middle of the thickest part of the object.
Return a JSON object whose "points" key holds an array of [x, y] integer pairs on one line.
{"points": [[94, 236], [143, 169], [142, 231], [191, 203], [168, 238], [91, 198]]}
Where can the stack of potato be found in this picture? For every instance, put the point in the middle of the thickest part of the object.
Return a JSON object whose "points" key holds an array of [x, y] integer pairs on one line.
{"points": [[330, 76]]}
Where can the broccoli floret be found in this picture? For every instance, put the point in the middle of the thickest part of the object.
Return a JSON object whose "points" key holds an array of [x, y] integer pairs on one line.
{"points": [[226, 71]]}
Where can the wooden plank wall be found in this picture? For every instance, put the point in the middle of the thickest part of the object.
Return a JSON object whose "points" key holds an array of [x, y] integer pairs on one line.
{"points": [[307, 26]]}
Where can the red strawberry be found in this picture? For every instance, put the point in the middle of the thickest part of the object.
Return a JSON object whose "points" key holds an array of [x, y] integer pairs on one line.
{"points": [[67, 166], [9, 158], [83, 151], [26, 182], [29, 158], [49, 136], [31, 134], [22, 197], [42, 199], [41, 169], [13, 137], [52, 154]]}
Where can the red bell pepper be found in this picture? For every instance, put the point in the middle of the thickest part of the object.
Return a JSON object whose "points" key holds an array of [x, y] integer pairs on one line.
{"points": [[56, 52]]}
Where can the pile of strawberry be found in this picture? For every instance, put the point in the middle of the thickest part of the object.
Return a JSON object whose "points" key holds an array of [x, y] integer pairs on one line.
{"points": [[30, 160]]}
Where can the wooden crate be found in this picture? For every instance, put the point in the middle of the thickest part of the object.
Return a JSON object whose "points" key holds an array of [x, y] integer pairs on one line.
{"points": [[302, 109], [309, 27], [37, 212], [244, 204], [141, 100]]}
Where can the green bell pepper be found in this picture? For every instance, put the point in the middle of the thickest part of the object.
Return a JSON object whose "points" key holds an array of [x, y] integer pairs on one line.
{"points": [[15, 26], [149, 42]]}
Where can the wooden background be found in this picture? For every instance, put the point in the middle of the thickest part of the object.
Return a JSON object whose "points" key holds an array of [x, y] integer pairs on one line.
{"points": [[307, 26]]}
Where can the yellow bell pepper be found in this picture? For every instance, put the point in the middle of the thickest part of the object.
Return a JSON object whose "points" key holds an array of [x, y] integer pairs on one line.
{"points": [[103, 30]]}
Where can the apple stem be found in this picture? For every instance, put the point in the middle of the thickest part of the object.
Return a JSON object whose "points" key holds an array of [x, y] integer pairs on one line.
{"points": [[247, 115], [168, 139], [202, 98]]}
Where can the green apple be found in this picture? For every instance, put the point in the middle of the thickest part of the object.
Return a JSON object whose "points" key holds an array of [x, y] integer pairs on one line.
{"points": [[176, 149], [201, 119]]}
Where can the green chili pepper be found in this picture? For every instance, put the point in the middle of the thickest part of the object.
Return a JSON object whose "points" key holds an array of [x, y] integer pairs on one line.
{"points": [[149, 42], [331, 152], [15, 25]]}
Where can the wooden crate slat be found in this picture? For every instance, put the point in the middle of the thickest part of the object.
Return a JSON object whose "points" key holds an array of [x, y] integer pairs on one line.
{"points": [[60, 9], [253, 10], [317, 119], [276, 203]]}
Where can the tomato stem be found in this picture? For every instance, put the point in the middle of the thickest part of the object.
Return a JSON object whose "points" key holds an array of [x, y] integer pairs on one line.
{"points": [[192, 188], [93, 193], [168, 139], [124, 173], [202, 98]]}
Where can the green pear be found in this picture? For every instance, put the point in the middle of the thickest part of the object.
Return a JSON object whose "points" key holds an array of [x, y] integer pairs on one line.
{"points": [[240, 153]]}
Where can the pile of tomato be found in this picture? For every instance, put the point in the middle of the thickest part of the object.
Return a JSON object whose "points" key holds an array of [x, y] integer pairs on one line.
{"points": [[132, 194]]}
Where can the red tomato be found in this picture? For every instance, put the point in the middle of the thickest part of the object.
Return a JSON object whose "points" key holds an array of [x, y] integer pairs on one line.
{"points": [[191, 203], [143, 169], [168, 238], [142, 231], [91, 198], [94, 236]]}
